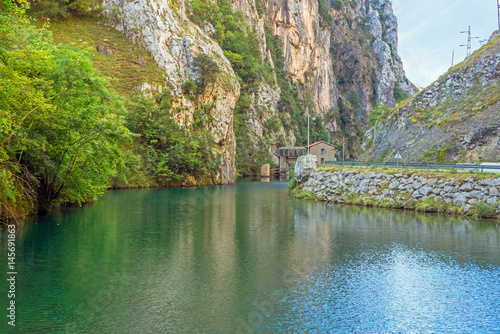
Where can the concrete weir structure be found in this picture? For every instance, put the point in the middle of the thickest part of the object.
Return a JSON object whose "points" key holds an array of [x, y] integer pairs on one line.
{"points": [[287, 156]]}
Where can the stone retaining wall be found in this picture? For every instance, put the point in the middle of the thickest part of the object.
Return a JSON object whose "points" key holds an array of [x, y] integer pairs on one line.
{"points": [[404, 189]]}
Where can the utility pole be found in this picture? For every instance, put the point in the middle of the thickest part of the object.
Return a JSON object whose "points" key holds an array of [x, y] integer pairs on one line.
{"points": [[308, 134], [343, 150], [498, 9], [469, 41], [453, 55]]}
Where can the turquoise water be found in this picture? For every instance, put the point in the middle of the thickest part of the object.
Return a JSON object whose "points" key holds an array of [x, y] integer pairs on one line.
{"points": [[248, 258]]}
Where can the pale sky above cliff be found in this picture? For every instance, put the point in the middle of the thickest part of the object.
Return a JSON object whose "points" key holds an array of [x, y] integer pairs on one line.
{"points": [[429, 30]]}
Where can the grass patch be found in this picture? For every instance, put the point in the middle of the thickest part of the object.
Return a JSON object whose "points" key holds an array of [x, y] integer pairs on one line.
{"points": [[300, 194], [457, 176], [125, 66]]}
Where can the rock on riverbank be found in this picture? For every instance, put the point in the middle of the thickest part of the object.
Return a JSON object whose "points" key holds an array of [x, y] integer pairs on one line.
{"points": [[408, 190]]}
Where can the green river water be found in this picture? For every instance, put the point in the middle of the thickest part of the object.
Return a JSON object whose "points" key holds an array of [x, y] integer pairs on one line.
{"points": [[248, 258]]}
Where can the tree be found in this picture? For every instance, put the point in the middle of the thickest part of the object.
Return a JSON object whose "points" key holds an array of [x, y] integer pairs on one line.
{"points": [[60, 133], [209, 71], [61, 8]]}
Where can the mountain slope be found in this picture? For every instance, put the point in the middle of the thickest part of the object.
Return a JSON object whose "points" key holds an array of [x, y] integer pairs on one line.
{"points": [[456, 118]]}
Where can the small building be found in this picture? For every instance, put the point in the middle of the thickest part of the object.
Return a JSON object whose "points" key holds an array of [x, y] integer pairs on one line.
{"points": [[323, 151]]}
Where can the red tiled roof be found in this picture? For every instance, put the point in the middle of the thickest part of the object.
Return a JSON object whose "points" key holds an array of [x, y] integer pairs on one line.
{"points": [[321, 142]]}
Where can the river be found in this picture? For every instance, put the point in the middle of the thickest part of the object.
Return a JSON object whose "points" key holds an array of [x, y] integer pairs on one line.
{"points": [[248, 258]]}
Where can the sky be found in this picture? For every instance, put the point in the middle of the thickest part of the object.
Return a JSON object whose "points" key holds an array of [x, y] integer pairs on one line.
{"points": [[429, 31]]}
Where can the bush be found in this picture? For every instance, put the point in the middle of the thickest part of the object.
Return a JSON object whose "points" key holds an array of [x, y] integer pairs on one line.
{"points": [[481, 209], [326, 20], [60, 130], [378, 115], [292, 185], [189, 87]]}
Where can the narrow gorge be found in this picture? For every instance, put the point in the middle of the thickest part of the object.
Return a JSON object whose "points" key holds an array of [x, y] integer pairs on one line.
{"points": [[334, 62]]}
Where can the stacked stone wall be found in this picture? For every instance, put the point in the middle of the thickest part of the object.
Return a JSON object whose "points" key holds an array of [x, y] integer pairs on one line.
{"points": [[404, 189]]}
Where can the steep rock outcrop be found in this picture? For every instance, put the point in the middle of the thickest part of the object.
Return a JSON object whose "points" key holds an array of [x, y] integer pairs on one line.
{"points": [[356, 52], [161, 28], [264, 109], [264, 101], [306, 48], [456, 118], [390, 74]]}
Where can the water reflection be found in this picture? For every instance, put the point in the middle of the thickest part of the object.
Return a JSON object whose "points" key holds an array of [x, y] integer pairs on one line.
{"points": [[247, 258]]}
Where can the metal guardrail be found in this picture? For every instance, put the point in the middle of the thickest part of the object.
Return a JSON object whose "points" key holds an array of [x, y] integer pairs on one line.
{"points": [[408, 165]]}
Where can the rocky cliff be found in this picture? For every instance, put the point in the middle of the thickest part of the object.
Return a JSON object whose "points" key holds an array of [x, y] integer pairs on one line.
{"points": [[334, 61], [161, 28], [455, 119]]}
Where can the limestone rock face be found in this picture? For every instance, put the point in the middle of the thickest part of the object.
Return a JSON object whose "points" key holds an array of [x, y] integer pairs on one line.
{"points": [[383, 26], [306, 48], [264, 101], [161, 28], [263, 109], [304, 166], [256, 21]]}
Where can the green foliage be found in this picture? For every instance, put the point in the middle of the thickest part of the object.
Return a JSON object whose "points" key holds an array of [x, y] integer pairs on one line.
{"points": [[61, 9], [273, 124], [292, 185], [481, 209], [261, 7], [189, 87], [249, 157], [60, 133], [170, 152], [326, 20], [436, 155], [299, 193], [317, 130], [209, 71], [399, 94], [378, 115], [353, 99], [337, 4]]}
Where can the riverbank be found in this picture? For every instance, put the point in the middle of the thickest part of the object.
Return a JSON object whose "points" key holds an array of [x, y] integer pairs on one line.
{"points": [[475, 194]]}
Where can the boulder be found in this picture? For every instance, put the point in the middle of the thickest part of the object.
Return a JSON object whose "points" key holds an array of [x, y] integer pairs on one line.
{"points": [[460, 199], [304, 166], [425, 190], [466, 187]]}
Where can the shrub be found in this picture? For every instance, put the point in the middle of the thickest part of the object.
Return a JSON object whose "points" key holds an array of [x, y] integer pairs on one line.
{"points": [[292, 184], [481, 209]]}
